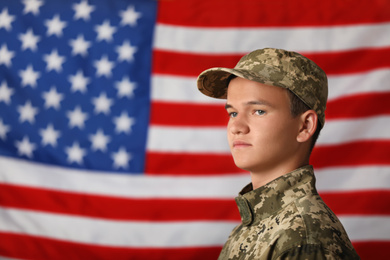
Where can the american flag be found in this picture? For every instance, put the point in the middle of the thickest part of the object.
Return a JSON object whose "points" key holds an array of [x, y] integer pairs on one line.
{"points": [[108, 151]]}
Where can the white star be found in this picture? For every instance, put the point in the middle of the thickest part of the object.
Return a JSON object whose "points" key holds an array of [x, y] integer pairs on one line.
{"points": [[6, 19], [49, 136], [53, 61], [29, 76], [121, 158], [25, 147], [79, 82], [4, 129], [129, 17], [77, 118], [55, 26], [126, 51], [79, 46], [52, 98], [83, 10], [102, 104], [125, 88], [29, 40], [104, 67], [27, 112], [6, 93], [99, 141], [105, 31], [32, 6], [75, 153], [6, 55], [123, 123]]}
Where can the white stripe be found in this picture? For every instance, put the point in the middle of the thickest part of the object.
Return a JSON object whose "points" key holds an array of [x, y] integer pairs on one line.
{"points": [[155, 234], [25, 173], [362, 228], [345, 131], [178, 89], [183, 89], [340, 179], [375, 81], [115, 233], [244, 40], [214, 140], [188, 139]]}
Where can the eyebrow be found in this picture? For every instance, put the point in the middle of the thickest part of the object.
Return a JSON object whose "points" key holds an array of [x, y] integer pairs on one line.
{"points": [[249, 103]]}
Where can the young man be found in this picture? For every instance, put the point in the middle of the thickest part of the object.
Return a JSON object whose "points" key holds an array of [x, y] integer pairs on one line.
{"points": [[276, 101]]}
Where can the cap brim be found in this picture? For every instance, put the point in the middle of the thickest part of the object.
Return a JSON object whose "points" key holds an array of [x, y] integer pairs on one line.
{"points": [[214, 82]]}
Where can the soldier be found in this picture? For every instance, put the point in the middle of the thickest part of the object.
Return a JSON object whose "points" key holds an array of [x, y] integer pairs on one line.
{"points": [[276, 101]]}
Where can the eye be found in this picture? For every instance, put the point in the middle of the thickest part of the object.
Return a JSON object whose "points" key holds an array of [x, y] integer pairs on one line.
{"points": [[232, 114], [259, 112]]}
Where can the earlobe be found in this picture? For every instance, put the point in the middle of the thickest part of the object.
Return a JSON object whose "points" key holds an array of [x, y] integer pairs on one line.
{"points": [[308, 126]]}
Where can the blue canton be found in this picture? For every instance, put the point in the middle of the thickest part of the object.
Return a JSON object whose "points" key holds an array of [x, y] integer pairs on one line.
{"points": [[75, 82]]}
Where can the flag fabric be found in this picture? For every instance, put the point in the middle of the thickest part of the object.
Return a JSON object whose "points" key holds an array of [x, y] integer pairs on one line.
{"points": [[108, 151]]}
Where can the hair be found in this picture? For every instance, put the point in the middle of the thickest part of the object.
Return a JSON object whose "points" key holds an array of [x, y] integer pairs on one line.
{"points": [[297, 107]]}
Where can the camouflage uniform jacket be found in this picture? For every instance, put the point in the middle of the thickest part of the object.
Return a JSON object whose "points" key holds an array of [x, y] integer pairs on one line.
{"points": [[287, 219]]}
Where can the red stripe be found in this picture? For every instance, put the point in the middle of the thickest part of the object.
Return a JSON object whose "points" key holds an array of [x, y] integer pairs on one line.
{"points": [[359, 106], [342, 203], [31, 247], [228, 13], [352, 154], [361, 153], [369, 250], [180, 114], [189, 164], [353, 61], [358, 202], [43, 248], [117, 208], [333, 63], [171, 63]]}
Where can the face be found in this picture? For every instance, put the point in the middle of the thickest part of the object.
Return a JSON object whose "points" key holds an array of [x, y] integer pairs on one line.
{"points": [[262, 133]]}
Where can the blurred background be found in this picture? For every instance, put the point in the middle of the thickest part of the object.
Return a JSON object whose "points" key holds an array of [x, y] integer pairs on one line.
{"points": [[108, 151]]}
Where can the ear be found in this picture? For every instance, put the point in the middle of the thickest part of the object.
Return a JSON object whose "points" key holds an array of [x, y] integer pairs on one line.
{"points": [[308, 125]]}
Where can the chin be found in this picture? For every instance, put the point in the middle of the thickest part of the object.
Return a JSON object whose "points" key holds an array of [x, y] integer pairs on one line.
{"points": [[244, 165]]}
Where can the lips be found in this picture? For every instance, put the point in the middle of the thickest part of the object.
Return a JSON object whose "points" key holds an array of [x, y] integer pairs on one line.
{"points": [[240, 144]]}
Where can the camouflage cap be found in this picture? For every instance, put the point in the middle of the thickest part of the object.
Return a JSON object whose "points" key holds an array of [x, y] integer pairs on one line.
{"points": [[275, 67]]}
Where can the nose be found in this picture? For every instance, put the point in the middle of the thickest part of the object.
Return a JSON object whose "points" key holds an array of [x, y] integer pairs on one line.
{"points": [[238, 125]]}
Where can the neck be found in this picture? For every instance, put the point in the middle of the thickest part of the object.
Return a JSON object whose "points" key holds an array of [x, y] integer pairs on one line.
{"points": [[264, 176]]}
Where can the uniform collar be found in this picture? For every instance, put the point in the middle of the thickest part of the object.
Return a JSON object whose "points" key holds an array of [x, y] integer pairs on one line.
{"points": [[255, 205]]}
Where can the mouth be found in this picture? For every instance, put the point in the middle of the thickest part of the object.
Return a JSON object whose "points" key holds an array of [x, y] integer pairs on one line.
{"points": [[241, 144]]}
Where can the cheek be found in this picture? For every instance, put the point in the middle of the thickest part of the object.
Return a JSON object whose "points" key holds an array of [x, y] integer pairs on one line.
{"points": [[273, 133], [283, 135], [265, 140]]}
